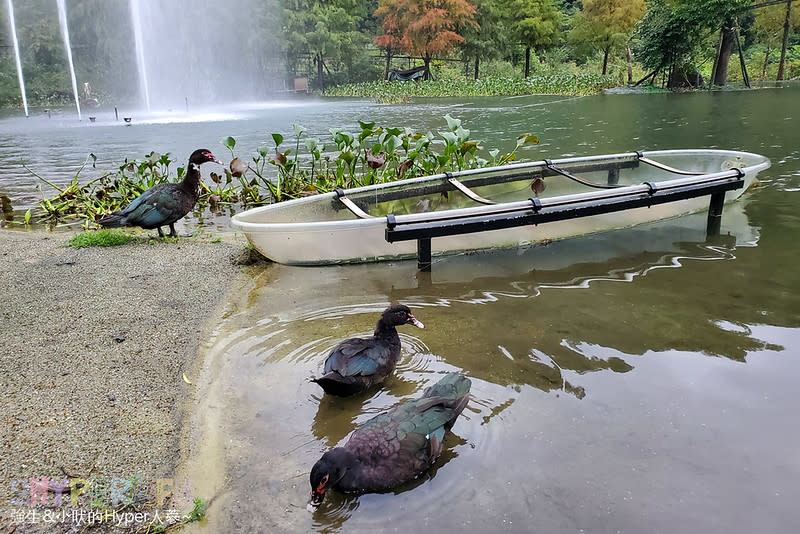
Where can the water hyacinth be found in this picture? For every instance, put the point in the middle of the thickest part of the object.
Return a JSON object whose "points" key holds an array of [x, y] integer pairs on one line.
{"points": [[286, 169], [553, 84]]}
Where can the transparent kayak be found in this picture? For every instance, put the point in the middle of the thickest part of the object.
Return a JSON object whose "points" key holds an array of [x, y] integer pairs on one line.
{"points": [[497, 207]]}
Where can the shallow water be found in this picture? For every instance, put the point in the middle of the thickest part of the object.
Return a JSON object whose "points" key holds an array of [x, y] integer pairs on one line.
{"points": [[639, 380], [636, 381]]}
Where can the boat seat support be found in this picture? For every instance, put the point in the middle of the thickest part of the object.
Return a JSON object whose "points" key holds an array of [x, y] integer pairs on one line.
{"points": [[467, 191], [663, 167], [567, 174], [352, 206]]}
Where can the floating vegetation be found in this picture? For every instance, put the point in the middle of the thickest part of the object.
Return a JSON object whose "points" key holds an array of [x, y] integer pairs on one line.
{"points": [[285, 169], [553, 84]]}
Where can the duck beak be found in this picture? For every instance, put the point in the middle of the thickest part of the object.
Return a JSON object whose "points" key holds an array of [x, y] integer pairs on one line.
{"points": [[416, 322], [316, 499]]}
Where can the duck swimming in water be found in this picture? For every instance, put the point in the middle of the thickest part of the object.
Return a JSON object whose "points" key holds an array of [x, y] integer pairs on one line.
{"points": [[393, 447], [356, 364]]}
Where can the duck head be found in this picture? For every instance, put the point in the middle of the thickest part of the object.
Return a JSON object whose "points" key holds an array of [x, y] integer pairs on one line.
{"points": [[203, 155], [400, 314], [328, 470]]}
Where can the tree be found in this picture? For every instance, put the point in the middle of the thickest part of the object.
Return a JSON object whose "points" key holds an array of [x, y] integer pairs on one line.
{"points": [[673, 32], [535, 25], [606, 24], [323, 30], [424, 27], [786, 24], [490, 39], [769, 27]]}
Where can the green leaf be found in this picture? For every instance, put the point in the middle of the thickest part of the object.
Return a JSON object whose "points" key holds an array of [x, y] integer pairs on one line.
{"points": [[452, 123], [229, 142], [391, 144], [28, 217], [278, 138], [449, 137]]}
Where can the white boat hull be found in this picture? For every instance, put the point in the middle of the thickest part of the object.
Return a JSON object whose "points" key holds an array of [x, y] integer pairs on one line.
{"points": [[339, 236]]}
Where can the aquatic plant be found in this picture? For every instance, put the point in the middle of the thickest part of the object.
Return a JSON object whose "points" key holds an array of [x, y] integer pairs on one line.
{"points": [[285, 169], [552, 84]]}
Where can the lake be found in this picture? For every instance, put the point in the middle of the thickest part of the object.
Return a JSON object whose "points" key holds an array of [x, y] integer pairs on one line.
{"points": [[642, 380]]}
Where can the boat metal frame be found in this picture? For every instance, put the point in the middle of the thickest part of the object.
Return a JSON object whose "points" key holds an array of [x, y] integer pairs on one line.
{"points": [[425, 226]]}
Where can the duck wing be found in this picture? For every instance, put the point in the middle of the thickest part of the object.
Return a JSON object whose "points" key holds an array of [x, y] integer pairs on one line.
{"points": [[158, 206], [399, 445], [358, 357]]}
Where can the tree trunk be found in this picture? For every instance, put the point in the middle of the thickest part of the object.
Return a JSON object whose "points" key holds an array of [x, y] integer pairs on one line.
{"points": [[427, 61], [630, 64], [782, 64], [320, 79], [605, 59], [745, 76], [477, 63], [388, 63], [724, 55], [766, 63], [527, 61]]}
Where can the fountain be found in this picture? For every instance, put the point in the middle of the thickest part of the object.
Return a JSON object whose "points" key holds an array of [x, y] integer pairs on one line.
{"points": [[194, 53], [62, 19], [139, 44], [16, 55]]}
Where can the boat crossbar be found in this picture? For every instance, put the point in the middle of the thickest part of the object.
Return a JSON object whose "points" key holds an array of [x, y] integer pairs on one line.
{"points": [[534, 211], [455, 181]]}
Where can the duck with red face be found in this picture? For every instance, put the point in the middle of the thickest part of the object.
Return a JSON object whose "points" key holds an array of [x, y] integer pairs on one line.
{"points": [[163, 204], [393, 447]]}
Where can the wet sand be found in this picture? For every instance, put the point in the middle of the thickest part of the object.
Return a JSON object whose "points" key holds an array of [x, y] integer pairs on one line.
{"points": [[94, 346]]}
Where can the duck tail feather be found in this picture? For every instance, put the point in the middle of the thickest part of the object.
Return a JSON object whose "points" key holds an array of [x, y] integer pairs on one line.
{"points": [[115, 220], [451, 386]]}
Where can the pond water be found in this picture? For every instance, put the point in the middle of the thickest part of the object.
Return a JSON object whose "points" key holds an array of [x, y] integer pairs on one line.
{"points": [[642, 380], [639, 380]]}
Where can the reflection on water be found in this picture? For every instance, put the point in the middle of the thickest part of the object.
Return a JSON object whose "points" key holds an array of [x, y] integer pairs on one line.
{"points": [[608, 386]]}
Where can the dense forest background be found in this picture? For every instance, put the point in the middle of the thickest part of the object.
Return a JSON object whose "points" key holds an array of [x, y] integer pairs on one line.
{"points": [[672, 43]]}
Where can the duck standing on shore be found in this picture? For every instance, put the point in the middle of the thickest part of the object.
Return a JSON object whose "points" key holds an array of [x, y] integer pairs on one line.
{"points": [[394, 447], [163, 204], [356, 364]]}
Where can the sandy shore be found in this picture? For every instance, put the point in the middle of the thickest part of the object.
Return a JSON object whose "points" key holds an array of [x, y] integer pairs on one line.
{"points": [[94, 345]]}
